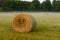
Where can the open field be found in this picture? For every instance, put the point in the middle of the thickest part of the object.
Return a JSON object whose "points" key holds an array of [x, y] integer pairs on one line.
{"points": [[48, 27]]}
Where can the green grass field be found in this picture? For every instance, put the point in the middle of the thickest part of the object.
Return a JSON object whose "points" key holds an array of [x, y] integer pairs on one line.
{"points": [[47, 28]]}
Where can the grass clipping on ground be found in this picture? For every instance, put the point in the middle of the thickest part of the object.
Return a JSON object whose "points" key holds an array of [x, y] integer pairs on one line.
{"points": [[23, 23]]}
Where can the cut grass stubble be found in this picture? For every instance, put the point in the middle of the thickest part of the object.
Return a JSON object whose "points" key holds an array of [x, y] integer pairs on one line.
{"points": [[48, 28]]}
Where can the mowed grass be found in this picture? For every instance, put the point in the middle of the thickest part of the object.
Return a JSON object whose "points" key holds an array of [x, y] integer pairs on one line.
{"points": [[47, 28]]}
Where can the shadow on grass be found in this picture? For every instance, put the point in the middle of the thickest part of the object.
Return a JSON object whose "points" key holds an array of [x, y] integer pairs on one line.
{"points": [[41, 28]]}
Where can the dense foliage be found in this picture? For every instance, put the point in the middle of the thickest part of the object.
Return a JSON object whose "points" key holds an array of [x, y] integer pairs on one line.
{"points": [[35, 5]]}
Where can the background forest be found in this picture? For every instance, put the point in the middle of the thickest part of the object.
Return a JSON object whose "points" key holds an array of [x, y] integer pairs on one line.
{"points": [[35, 5]]}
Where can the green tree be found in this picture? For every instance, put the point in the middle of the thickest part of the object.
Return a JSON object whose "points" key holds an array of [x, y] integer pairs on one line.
{"points": [[32, 7], [36, 4], [56, 5], [46, 5]]}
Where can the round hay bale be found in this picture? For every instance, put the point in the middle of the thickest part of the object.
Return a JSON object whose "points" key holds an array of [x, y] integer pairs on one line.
{"points": [[23, 23]]}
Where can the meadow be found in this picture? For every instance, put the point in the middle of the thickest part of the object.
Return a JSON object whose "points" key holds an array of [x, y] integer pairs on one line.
{"points": [[47, 28]]}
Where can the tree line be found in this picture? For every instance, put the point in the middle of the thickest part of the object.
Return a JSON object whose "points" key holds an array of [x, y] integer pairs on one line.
{"points": [[35, 5]]}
